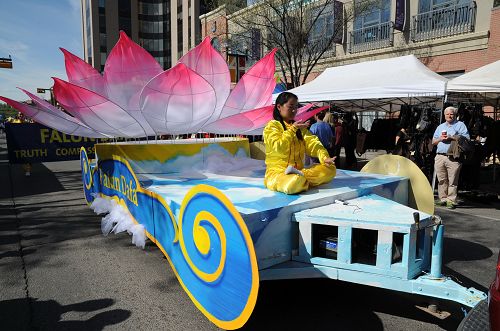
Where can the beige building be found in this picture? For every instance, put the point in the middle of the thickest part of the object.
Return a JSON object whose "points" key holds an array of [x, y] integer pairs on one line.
{"points": [[449, 36], [166, 29]]}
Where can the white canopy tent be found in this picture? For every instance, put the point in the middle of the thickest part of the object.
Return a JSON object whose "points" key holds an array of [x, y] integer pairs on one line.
{"points": [[482, 80], [482, 84], [392, 79]]}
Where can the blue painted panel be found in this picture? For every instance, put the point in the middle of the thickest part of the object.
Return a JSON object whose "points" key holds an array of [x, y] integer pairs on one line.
{"points": [[370, 208], [344, 254], [209, 247], [394, 271]]}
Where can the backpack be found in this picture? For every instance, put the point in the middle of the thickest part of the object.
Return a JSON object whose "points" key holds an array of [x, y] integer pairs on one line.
{"points": [[467, 148]]}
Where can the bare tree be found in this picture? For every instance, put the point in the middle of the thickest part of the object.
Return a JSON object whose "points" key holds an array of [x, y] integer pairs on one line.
{"points": [[303, 31]]}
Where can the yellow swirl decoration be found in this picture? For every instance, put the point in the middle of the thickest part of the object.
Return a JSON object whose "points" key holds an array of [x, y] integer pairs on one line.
{"points": [[200, 235], [87, 169], [202, 242]]}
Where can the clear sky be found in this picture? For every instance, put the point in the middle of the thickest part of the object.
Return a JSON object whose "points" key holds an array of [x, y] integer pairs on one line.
{"points": [[31, 31]]}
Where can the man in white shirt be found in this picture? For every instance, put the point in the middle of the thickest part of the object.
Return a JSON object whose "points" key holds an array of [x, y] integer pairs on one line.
{"points": [[447, 167]]}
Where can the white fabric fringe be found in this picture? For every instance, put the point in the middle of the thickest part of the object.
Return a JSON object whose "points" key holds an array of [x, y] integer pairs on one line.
{"points": [[118, 220]]}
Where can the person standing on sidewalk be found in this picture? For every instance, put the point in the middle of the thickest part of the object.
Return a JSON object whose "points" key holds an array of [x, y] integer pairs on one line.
{"points": [[350, 131], [447, 167], [323, 131]]}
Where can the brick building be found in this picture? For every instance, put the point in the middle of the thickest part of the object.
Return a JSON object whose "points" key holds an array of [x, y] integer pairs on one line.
{"points": [[450, 36]]}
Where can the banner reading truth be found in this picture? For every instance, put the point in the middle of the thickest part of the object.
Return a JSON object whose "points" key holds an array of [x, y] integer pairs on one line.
{"points": [[32, 142]]}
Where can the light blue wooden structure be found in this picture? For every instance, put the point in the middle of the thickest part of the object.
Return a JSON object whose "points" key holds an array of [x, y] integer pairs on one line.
{"points": [[417, 271], [285, 228], [224, 231]]}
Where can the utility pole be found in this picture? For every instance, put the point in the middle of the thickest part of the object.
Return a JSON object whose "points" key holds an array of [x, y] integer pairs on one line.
{"points": [[43, 90]]}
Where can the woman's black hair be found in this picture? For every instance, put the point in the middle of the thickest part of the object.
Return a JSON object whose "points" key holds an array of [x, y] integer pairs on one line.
{"points": [[281, 100]]}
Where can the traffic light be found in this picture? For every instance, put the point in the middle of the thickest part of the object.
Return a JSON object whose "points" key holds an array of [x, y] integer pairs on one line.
{"points": [[5, 63], [40, 90]]}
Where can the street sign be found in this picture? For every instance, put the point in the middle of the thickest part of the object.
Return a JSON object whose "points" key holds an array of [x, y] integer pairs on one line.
{"points": [[5, 63]]}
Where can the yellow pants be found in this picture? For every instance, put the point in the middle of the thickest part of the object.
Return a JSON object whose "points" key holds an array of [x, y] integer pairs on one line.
{"points": [[318, 174]]}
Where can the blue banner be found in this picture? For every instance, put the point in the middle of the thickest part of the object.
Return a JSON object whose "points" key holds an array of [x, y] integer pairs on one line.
{"points": [[34, 143], [399, 21], [338, 22]]}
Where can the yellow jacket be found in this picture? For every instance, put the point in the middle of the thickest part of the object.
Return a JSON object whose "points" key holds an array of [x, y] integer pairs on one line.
{"points": [[283, 148]]}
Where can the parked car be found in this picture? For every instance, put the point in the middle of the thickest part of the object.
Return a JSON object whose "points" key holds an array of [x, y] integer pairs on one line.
{"points": [[486, 314]]}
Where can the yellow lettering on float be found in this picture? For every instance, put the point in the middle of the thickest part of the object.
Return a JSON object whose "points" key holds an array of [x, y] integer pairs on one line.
{"points": [[44, 134], [119, 184], [55, 137], [65, 138], [29, 153], [67, 151]]}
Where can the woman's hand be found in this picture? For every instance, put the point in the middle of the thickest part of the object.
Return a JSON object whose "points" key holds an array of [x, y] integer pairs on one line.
{"points": [[301, 125], [330, 161]]}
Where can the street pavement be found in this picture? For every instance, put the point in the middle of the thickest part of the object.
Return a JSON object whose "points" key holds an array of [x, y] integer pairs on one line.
{"points": [[58, 272]]}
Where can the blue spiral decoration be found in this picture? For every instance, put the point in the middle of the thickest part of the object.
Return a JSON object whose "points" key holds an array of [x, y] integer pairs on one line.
{"points": [[209, 247], [89, 177]]}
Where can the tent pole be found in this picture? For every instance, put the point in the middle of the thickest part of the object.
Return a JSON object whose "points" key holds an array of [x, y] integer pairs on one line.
{"points": [[440, 119]]}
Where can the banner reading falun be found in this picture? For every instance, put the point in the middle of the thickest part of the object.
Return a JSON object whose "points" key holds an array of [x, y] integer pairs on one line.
{"points": [[32, 142]]}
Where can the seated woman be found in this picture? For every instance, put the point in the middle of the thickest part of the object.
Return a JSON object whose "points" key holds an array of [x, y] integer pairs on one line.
{"points": [[286, 143]]}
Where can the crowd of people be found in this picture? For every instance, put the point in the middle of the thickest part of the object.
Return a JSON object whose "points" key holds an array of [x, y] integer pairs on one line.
{"points": [[289, 142], [336, 132], [300, 155], [19, 118]]}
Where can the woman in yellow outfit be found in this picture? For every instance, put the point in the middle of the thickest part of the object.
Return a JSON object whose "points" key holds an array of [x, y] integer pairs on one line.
{"points": [[286, 143]]}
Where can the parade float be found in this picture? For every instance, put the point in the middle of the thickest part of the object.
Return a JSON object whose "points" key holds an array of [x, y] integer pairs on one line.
{"points": [[203, 202]]}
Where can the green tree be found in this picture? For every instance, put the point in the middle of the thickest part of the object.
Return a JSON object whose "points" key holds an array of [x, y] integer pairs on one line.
{"points": [[6, 110]]}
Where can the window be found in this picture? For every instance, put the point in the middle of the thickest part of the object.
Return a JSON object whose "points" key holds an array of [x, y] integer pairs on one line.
{"points": [[430, 5], [496, 3], [125, 16], [371, 16], [102, 42], [373, 27], [154, 29], [146, 8], [103, 58], [323, 27], [441, 18], [216, 44], [88, 32], [237, 66]]}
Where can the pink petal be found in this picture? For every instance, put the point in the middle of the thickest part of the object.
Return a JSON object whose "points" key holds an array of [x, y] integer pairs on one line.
{"points": [[178, 101], [254, 89], [40, 103], [302, 114], [128, 69], [98, 112], [239, 123], [62, 123], [209, 64], [83, 74]]}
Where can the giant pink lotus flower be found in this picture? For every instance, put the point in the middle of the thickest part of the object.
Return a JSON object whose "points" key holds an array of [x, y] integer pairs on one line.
{"points": [[136, 98]]}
